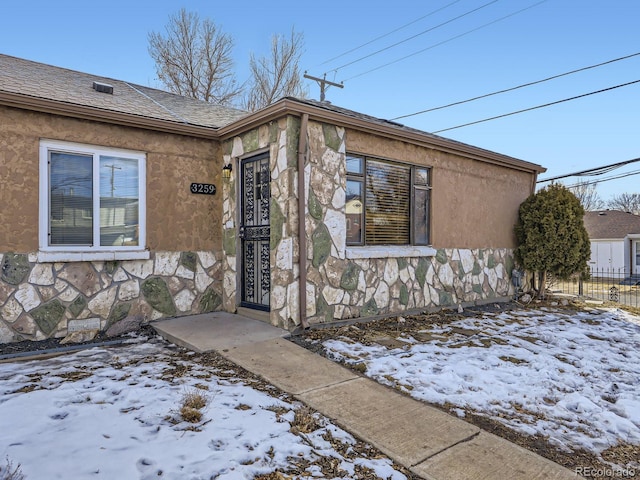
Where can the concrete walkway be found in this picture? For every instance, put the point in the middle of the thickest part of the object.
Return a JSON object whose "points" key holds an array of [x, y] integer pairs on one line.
{"points": [[432, 444]]}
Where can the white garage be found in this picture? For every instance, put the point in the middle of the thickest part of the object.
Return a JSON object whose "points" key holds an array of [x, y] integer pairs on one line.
{"points": [[615, 242]]}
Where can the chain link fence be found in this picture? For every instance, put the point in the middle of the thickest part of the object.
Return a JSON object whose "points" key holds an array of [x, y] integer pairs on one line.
{"points": [[608, 285]]}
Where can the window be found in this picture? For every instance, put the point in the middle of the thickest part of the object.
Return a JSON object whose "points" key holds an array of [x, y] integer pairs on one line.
{"points": [[92, 198], [387, 203]]}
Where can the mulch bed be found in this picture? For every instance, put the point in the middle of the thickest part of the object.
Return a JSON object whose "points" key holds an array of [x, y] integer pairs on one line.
{"points": [[37, 347]]}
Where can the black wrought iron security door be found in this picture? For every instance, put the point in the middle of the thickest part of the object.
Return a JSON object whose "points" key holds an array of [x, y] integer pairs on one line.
{"points": [[254, 232]]}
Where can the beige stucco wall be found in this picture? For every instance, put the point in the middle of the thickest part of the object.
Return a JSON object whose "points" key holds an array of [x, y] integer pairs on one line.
{"points": [[474, 204], [18, 182], [182, 274], [177, 220]]}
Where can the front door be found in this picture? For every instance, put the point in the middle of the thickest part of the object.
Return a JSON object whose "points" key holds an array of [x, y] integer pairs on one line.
{"points": [[636, 257], [254, 232]]}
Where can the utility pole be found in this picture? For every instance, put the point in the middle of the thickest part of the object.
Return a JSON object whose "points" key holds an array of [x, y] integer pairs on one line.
{"points": [[113, 169], [323, 82]]}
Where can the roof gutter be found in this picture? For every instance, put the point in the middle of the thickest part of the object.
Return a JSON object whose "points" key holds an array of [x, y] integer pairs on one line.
{"points": [[101, 115], [286, 106], [292, 107]]}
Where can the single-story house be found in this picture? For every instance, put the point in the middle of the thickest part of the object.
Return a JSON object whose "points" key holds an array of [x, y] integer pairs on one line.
{"points": [[615, 242], [122, 204]]}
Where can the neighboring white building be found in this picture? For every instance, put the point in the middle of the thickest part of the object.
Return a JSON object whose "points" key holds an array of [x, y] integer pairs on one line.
{"points": [[615, 241]]}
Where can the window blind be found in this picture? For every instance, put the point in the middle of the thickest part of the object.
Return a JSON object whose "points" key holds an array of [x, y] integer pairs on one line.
{"points": [[71, 199], [387, 203]]}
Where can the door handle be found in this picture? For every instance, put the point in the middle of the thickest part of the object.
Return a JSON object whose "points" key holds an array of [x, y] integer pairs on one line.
{"points": [[241, 233]]}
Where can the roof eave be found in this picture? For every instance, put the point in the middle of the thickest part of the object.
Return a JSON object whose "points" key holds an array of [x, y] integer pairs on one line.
{"points": [[292, 107], [85, 112], [272, 112]]}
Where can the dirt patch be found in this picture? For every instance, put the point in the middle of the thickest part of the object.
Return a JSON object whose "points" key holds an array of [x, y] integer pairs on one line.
{"points": [[40, 346]]}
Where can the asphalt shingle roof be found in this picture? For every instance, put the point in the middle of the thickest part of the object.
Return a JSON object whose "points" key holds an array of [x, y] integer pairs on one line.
{"points": [[23, 79], [43, 81], [611, 224]]}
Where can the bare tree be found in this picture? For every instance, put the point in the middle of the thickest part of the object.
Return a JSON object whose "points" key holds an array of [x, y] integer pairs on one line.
{"points": [[588, 196], [277, 75], [627, 202], [194, 59]]}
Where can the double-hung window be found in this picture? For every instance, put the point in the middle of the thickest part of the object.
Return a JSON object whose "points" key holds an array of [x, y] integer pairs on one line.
{"points": [[387, 203], [92, 199]]}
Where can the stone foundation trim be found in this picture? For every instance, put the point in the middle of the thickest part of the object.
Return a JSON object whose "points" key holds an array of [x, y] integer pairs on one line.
{"points": [[84, 325], [390, 251], [56, 299], [340, 289], [55, 257]]}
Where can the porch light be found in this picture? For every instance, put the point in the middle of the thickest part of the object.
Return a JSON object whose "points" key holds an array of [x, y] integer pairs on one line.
{"points": [[226, 171]]}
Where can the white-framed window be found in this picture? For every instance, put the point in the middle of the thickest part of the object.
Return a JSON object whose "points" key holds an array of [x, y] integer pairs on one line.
{"points": [[92, 202]]}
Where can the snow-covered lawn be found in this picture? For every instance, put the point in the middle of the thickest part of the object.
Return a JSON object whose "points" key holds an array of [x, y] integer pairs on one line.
{"points": [[113, 413], [572, 377]]}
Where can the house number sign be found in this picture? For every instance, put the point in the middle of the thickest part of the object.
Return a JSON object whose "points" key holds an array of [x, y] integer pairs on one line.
{"points": [[203, 188]]}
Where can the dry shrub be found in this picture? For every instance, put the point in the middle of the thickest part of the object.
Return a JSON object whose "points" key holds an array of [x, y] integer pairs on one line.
{"points": [[191, 405], [304, 421], [8, 472], [190, 415]]}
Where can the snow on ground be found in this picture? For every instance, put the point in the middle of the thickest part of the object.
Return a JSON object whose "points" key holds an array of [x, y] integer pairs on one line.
{"points": [[571, 377], [112, 413]]}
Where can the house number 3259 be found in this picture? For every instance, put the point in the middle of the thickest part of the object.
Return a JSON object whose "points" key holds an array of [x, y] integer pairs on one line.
{"points": [[204, 188]]}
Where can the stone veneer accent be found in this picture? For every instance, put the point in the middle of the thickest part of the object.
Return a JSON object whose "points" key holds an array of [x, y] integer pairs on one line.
{"points": [[281, 140], [339, 287], [344, 289], [42, 300]]}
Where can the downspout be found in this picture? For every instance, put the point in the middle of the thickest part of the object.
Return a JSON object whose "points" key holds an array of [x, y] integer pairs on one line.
{"points": [[302, 234], [534, 183]]}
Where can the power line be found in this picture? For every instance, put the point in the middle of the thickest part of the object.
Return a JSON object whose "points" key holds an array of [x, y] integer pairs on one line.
{"points": [[445, 41], [601, 180], [389, 33], [592, 171], [517, 87], [537, 107], [414, 36]]}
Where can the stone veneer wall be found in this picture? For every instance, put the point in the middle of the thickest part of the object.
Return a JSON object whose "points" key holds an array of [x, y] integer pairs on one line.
{"points": [[338, 287], [344, 289], [280, 139], [42, 300], [341, 288]]}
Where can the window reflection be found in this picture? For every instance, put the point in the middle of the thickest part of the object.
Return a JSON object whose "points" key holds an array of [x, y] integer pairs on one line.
{"points": [[119, 180], [421, 224], [354, 211], [354, 164]]}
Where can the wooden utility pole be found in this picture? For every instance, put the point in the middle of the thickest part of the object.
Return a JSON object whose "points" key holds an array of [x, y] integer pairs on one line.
{"points": [[323, 82], [113, 169]]}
